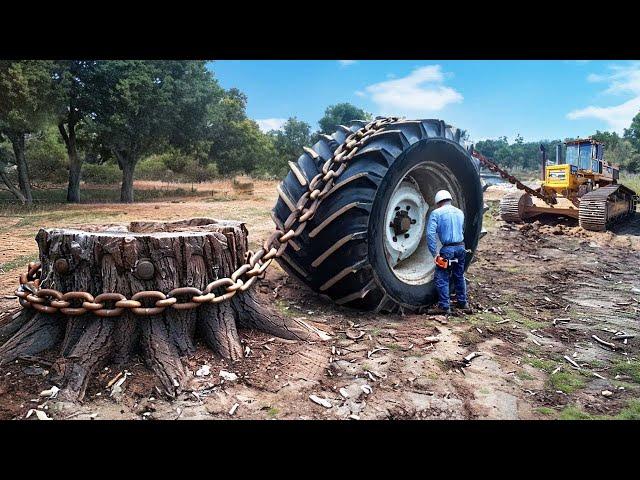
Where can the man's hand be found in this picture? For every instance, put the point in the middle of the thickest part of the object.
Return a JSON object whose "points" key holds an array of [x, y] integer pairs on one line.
{"points": [[441, 262]]}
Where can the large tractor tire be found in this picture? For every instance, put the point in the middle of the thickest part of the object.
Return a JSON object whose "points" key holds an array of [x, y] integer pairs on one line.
{"points": [[366, 247]]}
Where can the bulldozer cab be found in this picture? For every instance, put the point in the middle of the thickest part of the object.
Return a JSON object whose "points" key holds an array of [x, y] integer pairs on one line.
{"points": [[586, 154]]}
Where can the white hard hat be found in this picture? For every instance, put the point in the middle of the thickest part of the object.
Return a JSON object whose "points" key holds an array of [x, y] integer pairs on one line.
{"points": [[442, 195]]}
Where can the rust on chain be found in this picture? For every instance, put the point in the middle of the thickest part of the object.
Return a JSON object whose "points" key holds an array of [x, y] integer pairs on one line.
{"points": [[492, 166], [255, 264]]}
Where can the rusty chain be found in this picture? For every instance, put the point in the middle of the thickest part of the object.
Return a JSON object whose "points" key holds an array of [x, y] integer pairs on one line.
{"points": [[493, 167], [48, 300]]}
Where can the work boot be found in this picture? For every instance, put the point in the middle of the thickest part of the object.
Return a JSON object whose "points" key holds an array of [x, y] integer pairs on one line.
{"points": [[438, 310], [463, 307]]}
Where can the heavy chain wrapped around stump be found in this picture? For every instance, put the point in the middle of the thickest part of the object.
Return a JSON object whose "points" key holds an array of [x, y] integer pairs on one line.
{"points": [[53, 301]]}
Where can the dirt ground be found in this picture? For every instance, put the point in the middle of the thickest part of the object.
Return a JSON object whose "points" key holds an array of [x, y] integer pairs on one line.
{"points": [[541, 291]]}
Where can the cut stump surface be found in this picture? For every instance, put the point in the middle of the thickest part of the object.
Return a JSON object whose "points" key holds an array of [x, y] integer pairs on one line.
{"points": [[146, 256]]}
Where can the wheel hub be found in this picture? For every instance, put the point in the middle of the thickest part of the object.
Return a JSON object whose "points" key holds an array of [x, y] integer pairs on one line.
{"points": [[406, 214], [402, 222]]}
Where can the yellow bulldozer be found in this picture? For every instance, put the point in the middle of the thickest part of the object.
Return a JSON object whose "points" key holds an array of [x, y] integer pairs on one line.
{"points": [[583, 186]]}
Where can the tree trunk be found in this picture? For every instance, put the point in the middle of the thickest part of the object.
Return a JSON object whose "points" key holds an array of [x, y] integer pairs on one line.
{"points": [[75, 163], [17, 141], [126, 190], [189, 253], [11, 187]]}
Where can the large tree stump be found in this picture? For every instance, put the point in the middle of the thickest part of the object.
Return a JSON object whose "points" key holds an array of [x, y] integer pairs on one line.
{"points": [[146, 256]]}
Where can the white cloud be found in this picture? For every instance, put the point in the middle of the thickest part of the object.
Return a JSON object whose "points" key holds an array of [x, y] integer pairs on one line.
{"points": [[621, 80], [421, 92], [346, 63], [267, 124], [617, 117]]}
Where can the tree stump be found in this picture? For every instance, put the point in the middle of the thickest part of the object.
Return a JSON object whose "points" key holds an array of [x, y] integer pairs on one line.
{"points": [[145, 257]]}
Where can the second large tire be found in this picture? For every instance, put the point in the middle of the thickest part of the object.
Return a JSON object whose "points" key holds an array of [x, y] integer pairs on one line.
{"points": [[341, 253]]}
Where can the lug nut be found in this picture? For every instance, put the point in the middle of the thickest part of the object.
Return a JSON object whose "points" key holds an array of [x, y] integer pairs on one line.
{"points": [[395, 239], [406, 235]]}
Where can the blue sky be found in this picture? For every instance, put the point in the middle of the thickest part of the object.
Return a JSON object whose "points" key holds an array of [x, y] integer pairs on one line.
{"points": [[536, 99]]}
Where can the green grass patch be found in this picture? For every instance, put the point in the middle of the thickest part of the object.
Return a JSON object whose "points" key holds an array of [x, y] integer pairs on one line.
{"points": [[531, 324], [547, 411], [18, 262], [632, 369], [566, 382], [574, 413], [272, 412], [522, 375], [630, 412], [541, 364], [631, 180], [97, 195]]}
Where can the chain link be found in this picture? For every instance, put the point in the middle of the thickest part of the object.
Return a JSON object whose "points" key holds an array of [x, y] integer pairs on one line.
{"points": [[492, 166], [48, 300]]}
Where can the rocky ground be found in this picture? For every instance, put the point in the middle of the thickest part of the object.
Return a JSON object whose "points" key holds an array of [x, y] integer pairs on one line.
{"points": [[551, 301]]}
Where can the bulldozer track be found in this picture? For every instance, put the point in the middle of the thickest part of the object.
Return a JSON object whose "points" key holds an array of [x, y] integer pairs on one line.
{"points": [[594, 207], [511, 208]]}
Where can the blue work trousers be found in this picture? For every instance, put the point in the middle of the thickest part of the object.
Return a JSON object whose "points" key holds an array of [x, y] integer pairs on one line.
{"points": [[443, 276]]}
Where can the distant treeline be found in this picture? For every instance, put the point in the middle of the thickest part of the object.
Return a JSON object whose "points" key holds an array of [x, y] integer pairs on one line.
{"points": [[118, 120], [620, 150]]}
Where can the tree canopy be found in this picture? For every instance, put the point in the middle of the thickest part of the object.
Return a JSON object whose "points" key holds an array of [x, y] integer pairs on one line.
{"points": [[100, 119], [340, 114]]}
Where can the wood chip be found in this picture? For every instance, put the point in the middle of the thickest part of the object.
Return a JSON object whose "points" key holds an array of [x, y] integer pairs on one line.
{"points": [[622, 337], [234, 408], [375, 350], [320, 401], [603, 342], [354, 334], [570, 360], [472, 356], [114, 379]]}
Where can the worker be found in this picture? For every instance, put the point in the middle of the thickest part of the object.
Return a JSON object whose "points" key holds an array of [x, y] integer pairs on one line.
{"points": [[446, 223]]}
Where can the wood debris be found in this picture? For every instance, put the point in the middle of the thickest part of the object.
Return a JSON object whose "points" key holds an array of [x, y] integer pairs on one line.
{"points": [[572, 362], [604, 342], [320, 401], [371, 352]]}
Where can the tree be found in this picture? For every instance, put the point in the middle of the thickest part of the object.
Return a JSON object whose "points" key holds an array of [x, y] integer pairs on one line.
{"points": [[236, 143], [73, 83], [610, 139], [620, 154], [633, 132], [288, 143], [245, 149], [340, 114], [140, 106], [633, 165], [25, 105]]}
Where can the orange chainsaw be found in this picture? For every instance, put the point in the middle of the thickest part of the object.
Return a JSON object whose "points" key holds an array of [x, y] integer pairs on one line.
{"points": [[444, 263]]}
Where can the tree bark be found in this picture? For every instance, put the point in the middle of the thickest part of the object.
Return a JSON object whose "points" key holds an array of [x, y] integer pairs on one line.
{"points": [[189, 253], [11, 187], [126, 190], [17, 141], [75, 162]]}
